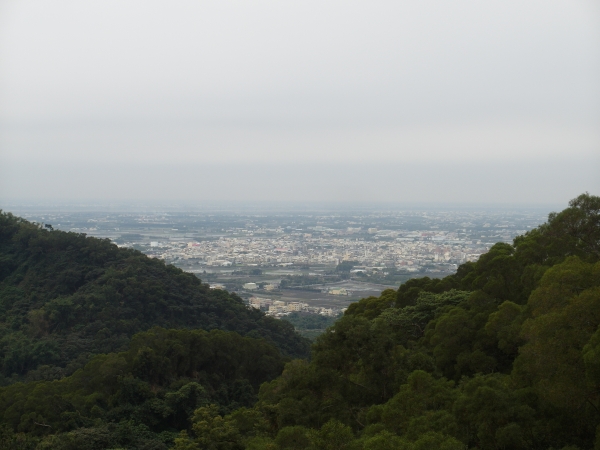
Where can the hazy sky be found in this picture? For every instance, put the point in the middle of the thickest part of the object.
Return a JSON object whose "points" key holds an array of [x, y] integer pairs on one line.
{"points": [[458, 101]]}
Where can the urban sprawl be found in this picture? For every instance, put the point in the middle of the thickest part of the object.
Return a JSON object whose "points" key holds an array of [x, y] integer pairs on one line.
{"points": [[315, 262]]}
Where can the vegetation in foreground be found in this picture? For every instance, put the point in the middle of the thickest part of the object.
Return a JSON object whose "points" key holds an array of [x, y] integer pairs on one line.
{"points": [[65, 297], [505, 354], [310, 325]]}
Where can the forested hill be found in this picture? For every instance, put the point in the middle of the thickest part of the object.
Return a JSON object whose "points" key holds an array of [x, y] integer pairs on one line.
{"points": [[503, 355], [65, 296]]}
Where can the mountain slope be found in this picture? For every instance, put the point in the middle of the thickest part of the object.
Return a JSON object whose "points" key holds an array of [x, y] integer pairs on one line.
{"points": [[64, 296]]}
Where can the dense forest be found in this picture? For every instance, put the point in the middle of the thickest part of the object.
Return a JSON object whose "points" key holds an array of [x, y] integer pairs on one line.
{"points": [[504, 354], [310, 325], [65, 297]]}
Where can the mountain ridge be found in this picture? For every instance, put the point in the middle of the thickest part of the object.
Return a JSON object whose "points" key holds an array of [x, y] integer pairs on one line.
{"points": [[65, 296]]}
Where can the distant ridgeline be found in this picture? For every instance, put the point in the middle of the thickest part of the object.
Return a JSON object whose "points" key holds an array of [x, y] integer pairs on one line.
{"points": [[65, 296], [505, 354]]}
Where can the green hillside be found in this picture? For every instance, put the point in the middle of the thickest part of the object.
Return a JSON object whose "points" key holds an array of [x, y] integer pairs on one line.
{"points": [[505, 355], [142, 397], [65, 297]]}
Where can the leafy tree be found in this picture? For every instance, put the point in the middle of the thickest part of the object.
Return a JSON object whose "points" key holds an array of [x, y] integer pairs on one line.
{"points": [[65, 297], [334, 435], [156, 385], [293, 438], [502, 355], [371, 307]]}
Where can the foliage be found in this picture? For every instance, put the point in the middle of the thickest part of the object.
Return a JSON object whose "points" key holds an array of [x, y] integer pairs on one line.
{"points": [[371, 307], [310, 325], [65, 297], [307, 321], [153, 388], [503, 355]]}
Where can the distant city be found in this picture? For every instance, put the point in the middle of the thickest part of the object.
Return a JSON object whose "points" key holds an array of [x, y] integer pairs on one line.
{"points": [[309, 262]]}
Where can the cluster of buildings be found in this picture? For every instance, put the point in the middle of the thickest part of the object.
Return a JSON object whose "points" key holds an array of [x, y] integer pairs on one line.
{"points": [[336, 291], [278, 308], [407, 251], [254, 286]]}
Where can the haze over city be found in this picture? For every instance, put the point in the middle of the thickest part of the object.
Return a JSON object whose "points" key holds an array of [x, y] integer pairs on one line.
{"points": [[457, 102]]}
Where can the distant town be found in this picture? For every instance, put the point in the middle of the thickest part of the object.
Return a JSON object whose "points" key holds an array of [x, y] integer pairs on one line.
{"points": [[313, 262], [278, 308]]}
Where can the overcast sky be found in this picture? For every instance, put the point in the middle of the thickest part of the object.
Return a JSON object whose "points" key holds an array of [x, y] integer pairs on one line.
{"points": [[397, 101]]}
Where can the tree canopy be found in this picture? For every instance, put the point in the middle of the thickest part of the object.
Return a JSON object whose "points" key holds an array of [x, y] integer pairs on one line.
{"points": [[504, 354], [65, 297]]}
